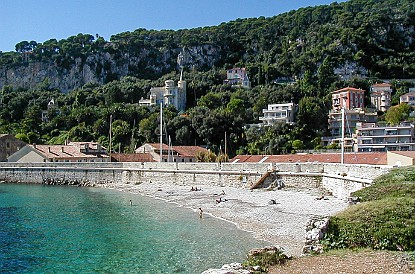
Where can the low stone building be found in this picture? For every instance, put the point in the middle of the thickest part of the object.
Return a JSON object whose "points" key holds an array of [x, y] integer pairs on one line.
{"points": [[72, 152], [9, 145]]}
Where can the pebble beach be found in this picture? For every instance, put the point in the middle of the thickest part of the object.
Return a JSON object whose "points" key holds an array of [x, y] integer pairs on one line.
{"points": [[276, 216]]}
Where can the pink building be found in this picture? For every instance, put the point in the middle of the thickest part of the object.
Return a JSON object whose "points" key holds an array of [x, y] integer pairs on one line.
{"points": [[350, 98], [237, 77]]}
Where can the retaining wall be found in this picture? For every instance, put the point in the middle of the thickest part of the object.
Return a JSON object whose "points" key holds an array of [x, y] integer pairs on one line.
{"points": [[338, 179]]}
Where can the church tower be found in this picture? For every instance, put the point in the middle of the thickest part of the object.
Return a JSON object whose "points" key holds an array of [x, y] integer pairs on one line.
{"points": [[181, 93]]}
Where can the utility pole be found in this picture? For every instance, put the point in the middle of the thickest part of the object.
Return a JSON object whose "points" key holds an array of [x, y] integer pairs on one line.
{"points": [[343, 125], [161, 132], [226, 151]]}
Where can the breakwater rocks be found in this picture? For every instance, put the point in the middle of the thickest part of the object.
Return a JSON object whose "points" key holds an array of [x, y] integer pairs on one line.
{"points": [[316, 227], [57, 182], [269, 255], [68, 182]]}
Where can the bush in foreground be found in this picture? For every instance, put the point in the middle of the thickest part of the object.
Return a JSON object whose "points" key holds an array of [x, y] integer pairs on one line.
{"points": [[259, 260], [384, 220]]}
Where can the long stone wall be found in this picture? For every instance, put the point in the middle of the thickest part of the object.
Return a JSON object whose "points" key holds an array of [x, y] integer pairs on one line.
{"points": [[338, 179]]}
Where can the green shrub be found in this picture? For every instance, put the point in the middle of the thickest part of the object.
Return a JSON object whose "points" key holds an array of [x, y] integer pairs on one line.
{"points": [[266, 259]]}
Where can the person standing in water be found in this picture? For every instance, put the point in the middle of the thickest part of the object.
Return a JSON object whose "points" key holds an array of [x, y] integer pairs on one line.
{"points": [[200, 212], [131, 203]]}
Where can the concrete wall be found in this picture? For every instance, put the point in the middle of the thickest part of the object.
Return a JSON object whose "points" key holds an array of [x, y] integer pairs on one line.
{"points": [[338, 179], [395, 159]]}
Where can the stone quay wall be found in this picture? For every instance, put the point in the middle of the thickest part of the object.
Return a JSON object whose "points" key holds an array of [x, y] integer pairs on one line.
{"points": [[340, 180]]}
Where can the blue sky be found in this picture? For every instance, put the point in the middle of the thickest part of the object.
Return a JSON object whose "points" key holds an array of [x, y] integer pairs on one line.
{"points": [[40, 20]]}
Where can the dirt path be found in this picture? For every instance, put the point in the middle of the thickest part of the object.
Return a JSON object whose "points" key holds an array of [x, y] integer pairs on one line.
{"points": [[369, 262]]}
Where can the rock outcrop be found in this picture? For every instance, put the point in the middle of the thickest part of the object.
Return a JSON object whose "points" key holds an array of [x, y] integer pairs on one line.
{"points": [[69, 73], [315, 229]]}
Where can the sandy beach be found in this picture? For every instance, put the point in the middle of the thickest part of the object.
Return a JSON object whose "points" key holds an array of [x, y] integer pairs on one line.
{"points": [[282, 223]]}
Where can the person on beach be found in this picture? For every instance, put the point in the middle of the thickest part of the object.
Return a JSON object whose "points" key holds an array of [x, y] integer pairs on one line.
{"points": [[200, 212]]}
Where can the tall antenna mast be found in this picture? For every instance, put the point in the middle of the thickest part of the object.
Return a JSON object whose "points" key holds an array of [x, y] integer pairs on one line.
{"points": [[161, 132]]}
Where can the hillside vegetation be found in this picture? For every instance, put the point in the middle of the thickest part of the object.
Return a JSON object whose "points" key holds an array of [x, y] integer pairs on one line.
{"points": [[316, 50], [385, 219]]}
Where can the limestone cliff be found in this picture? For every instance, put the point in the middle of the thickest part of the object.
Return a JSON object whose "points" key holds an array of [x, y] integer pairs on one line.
{"points": [[103, 67]]}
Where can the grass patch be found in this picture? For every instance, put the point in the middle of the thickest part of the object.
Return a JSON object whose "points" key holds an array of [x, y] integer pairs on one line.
{"points": [[385, 220], [399, 182]]}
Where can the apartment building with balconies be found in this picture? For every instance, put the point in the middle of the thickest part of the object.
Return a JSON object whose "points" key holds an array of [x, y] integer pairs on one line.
{"points": [[278, 113], [369, 137], [380, 96]]}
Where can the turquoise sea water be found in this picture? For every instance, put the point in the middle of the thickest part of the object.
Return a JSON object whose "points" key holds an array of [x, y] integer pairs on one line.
{"points": [[55, 229]]}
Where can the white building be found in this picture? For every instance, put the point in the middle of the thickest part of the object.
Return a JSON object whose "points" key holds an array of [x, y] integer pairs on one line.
{"points": [[380, 96], [51, 106], [184, 154], [408, 98], [369, 137], [278, 113], [170, 94]]}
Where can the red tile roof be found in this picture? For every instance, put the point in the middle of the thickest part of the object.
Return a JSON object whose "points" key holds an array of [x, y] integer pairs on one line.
{"points": [[382, 85], [81, 145], [132, 157], [63, 152], [347, 89], [248, 158], [184, 151], [189, 151], [371, 158]]}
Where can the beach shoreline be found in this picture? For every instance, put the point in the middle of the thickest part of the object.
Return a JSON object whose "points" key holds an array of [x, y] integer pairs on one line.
{"points": [[278, 217]]}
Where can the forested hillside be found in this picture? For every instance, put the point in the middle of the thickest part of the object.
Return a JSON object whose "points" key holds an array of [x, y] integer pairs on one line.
{"points": [[320, 49]]}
